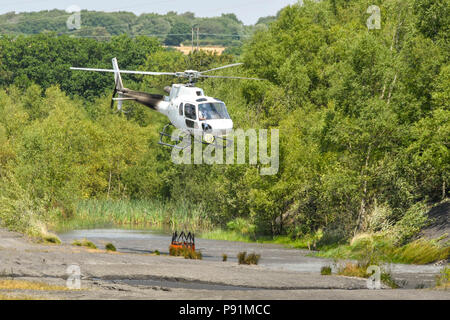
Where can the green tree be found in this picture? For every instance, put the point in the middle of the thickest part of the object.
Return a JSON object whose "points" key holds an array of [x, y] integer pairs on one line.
{"points": [[179, 32]]}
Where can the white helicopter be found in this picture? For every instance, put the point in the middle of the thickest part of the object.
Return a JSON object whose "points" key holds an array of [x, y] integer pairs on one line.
{"points": [[187, 107]]}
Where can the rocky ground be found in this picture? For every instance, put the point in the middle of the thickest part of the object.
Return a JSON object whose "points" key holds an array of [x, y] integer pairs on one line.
{"points": [[141, 275]]}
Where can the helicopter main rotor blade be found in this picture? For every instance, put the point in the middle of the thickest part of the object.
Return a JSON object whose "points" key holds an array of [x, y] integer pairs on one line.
{"points": [[128, 71], [224, 67], [225, 77]]}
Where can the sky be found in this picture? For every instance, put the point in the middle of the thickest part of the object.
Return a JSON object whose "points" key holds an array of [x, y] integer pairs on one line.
{"points": [[248, 11]]}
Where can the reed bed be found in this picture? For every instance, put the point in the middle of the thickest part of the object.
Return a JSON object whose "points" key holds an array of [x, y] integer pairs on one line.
{"points": [[138, 214]]}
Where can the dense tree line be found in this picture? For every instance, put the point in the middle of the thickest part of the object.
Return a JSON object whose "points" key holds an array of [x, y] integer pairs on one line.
{"points": [[173, 29], [363, 116]]}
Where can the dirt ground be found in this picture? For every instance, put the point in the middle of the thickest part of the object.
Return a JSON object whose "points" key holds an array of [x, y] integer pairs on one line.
{"points": [[140, 275]]}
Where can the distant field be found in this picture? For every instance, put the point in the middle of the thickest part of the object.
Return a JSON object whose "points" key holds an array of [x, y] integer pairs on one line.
{"points": [[187, 49]]}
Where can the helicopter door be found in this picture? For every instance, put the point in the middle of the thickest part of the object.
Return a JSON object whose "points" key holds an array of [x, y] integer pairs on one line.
{"points": [[178, 115], [190, 115]]}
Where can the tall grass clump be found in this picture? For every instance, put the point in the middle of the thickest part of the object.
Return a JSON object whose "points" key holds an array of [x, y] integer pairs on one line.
{"points": [[84, 243], [410, 224], [390, 241], [241, 257], [51, 238], [243, 227], [19, 211], [252, 258], [421, 251], [381, 248], [186, 253], [110, 247], [325, 270], [443, 279], [226, 235], [359, 270]]}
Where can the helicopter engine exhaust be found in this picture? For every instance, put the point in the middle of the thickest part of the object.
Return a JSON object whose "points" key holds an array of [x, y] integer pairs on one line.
{"points": [[144, 98], [147, 99]]}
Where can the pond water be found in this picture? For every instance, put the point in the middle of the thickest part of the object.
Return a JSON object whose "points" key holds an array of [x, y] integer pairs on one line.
{"points": [[147, 241]]}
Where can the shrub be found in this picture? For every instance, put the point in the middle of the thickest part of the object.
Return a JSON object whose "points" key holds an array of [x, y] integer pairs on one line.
{"points": [[191, 254], [84, 243], [379, 218], [360, 270], [352, 270], [332, 236], [110, 247], [387, 279], [250, 259], [77, 243], [185, 252], [173, 251], [157, 252], [242, 226], [19, 210], [241, 257], [421, 251], [443, 280], [224, 257], [325, 270], [411, 223], [50, 238], [377, 248], [89, 244]]}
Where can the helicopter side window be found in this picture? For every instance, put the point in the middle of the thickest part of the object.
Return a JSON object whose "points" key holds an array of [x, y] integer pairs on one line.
{"points": [[181, 109], [189, 111]]}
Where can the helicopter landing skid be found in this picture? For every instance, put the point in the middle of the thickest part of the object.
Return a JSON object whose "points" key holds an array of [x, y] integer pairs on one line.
{"points": [[163, 133], [218, 142]]}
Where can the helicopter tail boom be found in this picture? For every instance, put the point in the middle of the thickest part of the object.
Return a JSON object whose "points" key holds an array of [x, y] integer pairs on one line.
{"points": [[153, 101]]}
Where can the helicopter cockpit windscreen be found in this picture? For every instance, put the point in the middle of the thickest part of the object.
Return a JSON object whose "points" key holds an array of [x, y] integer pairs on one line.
{"points": [[212, 110]]}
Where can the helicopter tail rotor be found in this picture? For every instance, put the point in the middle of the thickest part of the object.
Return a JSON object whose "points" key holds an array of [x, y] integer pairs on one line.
{"points": [[117, 76], [118, 88], [119, 99], [150, 100]]}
